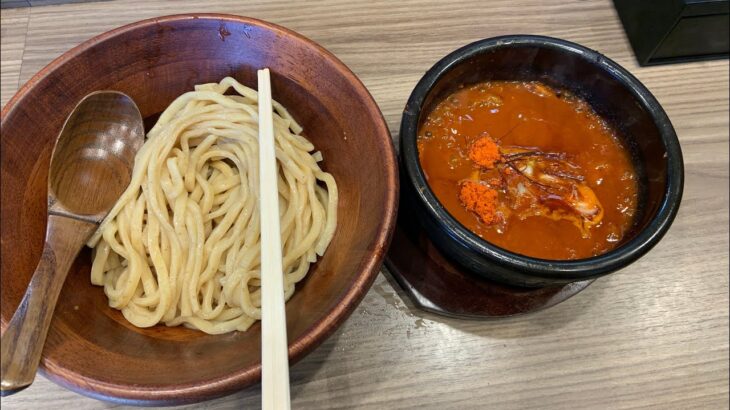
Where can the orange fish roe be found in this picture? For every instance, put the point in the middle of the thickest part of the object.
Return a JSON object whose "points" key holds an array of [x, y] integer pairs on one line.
{"points": [[480, 199], [484, 152]]}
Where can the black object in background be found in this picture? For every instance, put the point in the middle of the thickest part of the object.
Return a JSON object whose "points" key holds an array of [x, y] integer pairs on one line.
{"points": [[670, 31]]}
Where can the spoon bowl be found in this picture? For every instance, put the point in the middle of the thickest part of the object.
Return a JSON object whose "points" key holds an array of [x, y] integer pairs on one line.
{"points": [[92, 162], [91, 165]]}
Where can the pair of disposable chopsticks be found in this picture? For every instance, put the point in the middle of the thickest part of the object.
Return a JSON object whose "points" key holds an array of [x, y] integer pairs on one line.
{"points": [[274, 352]]}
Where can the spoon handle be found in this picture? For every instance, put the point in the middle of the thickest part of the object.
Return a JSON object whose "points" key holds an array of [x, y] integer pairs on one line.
{"points": [[23, 339]]}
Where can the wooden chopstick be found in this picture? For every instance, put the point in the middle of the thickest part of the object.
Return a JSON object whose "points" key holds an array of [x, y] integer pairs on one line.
{"points": [[274, 352]]}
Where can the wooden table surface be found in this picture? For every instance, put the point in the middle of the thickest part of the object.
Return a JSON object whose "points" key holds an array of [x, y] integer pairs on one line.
{"points": [[653, 335]]}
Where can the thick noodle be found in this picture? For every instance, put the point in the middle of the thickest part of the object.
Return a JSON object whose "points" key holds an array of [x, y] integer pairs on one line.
{"points": [[181, 246]]}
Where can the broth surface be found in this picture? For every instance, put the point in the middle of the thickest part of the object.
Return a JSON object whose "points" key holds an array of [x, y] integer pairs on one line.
{"points": [[530, 117]]}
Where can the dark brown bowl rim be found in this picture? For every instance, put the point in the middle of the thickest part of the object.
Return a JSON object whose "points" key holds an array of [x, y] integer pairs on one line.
{"points": [[551, 270], [315, 335]]}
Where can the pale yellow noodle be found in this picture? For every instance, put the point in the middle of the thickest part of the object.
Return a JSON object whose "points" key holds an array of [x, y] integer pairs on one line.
{"points": [[181, 246]]}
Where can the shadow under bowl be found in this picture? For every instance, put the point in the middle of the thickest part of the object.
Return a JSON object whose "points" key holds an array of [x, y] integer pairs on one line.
{"points": [[616, 95]]}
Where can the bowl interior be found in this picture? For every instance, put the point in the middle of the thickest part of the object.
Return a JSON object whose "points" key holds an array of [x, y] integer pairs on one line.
{"points": [[585, 75], [90, 346]]}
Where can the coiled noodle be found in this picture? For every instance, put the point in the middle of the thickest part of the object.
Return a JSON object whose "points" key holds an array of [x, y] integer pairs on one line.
{"points": [[181, 245]]}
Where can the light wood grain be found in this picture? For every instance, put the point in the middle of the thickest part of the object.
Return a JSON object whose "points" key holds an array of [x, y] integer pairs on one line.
{"points": [[653, 335], [12, 43]]}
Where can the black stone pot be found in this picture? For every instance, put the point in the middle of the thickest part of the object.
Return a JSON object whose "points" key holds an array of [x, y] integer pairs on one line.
{"points": [[614, 94]]}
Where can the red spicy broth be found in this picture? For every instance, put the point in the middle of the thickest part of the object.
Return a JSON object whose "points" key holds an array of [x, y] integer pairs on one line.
{"points": [[529, 168]]}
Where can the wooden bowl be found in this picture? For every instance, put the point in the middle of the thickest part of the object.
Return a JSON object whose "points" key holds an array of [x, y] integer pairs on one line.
{"points": [[91, 348]]}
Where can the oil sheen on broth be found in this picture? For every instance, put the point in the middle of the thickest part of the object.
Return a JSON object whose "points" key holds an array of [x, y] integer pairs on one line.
{"points": [[531, 169]]}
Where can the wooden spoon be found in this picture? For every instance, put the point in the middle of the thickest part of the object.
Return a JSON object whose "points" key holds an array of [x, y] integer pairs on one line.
{"points": [[91, 166]]}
